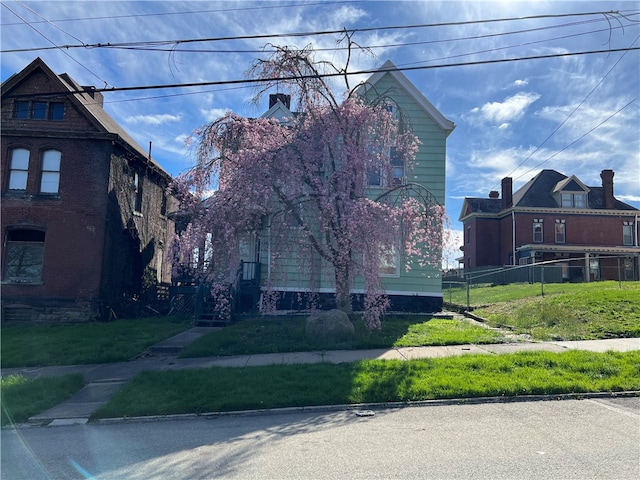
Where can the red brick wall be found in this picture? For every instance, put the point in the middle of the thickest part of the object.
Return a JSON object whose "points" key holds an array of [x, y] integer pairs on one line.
{"points": [[74, 220], [95, 247]]}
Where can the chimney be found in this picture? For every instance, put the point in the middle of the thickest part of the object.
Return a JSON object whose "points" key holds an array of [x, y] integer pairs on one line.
{"points": [[494, 194], [97, 96], [607, 189], [280, 97], [507, 192]]}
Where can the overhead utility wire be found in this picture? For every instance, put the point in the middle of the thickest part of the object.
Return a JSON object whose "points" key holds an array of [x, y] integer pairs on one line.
{"points": [[389, 45], [53, 43], [48, 22], [580, 137], [192, 12], [336, 74], [569, 116], [159, 43]]}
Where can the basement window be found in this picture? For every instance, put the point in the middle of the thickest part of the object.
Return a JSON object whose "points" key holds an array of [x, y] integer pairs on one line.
{"points": [[24, 253]]}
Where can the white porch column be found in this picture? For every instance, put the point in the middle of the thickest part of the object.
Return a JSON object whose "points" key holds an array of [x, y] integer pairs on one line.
{"points": [[587, 268]]}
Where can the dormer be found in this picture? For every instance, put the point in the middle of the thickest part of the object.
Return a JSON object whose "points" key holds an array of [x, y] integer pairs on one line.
{"points": [[571, 193]]}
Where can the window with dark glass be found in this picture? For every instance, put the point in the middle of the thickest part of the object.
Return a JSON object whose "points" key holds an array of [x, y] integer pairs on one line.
{"points": [[137, 200], [24, 255], [22, 109], [56, 111], [627, 233], [397, 167], [560, 231], [19, 169], [39, 110]]}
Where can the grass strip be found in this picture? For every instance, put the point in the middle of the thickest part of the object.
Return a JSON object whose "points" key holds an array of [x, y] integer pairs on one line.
{"points": [[95, 342], [585, 311], [277, 386], [23, 398], [288, 335]]}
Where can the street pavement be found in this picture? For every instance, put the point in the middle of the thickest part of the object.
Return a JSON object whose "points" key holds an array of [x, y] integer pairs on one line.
{"points": [[539, 440], [104, 380]]}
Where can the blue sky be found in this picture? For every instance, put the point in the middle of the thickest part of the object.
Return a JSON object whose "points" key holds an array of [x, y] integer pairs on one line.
{"points": [[575, 114]]}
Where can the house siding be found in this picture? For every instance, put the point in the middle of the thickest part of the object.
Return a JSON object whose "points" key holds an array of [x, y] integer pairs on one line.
{"points": [[418, 289]]}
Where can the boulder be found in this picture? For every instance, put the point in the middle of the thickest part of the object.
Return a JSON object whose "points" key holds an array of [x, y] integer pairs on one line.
{"points": [[332, 326]]}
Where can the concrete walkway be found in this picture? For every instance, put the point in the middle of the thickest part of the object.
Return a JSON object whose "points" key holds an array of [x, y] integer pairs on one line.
{"points": [[104, 380]]}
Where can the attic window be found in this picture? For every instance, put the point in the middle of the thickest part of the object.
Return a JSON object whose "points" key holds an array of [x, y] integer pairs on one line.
{"points": [[574, 200], [38, 110]]}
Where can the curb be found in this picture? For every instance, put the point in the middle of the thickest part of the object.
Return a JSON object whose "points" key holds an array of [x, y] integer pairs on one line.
{"points": [[363, 409]]}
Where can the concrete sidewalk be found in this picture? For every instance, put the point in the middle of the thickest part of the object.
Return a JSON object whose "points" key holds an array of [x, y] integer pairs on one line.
{"points": [[104, 380]]}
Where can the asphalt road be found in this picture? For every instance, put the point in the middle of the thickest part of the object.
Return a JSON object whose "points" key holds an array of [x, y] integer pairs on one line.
{"points": [[586, 439]]}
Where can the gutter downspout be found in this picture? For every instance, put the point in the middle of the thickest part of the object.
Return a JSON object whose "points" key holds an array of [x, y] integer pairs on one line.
{"points": [[513, 236]]}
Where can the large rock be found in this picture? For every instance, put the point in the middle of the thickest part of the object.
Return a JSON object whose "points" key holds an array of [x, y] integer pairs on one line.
{"points": [[332, 326]]}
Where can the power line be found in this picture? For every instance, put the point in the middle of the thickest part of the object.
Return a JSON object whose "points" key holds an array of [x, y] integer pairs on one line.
{"points": [[173, 49], [570, 115], [192, 12], [53, 43], [579, 138], [327, 75], [159, 43]]}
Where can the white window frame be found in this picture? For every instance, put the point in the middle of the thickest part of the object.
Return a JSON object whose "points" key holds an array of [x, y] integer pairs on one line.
{"points": [[538, 222], [573, 200], [627, 233], [50, 171], [19, 169], [560, 231], [390, 269]]}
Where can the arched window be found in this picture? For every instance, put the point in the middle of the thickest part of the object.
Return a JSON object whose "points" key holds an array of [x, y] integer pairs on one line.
{"points": [[50, 174], [24, 255], [19, 169]]}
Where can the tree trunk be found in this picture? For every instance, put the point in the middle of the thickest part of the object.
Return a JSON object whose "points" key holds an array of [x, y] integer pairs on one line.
{"points": [[343, 287]]}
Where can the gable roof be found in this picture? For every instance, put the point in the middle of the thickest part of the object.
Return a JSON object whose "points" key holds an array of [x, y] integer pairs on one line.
{"points": [[82, 98], [571, 184], [389, 68], [278, 111]]}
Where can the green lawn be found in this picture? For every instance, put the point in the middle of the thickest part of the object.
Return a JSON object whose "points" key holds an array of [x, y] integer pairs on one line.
{"points": [[287, 334], [99, 342], [276, 386], [23, 398], [566, 312]]}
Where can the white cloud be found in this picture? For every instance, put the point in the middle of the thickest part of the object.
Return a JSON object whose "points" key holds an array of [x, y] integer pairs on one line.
{"points": [[212, 114], [511, 109], [521, 83], [504, 126], [154, 119]]}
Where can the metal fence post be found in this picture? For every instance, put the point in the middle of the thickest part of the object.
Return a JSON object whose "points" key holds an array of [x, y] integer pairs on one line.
{"points": [[468, 300]]}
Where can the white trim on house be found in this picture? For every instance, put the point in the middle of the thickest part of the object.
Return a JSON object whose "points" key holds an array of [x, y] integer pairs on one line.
{"points": [[390, 68]]}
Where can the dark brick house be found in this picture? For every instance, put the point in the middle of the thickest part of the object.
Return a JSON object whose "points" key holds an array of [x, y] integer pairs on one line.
{"points": [[84, 224], [554, 218]]}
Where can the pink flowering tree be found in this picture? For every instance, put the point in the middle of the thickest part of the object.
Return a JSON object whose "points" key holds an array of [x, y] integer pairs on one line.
{"points": [[305, 181]]}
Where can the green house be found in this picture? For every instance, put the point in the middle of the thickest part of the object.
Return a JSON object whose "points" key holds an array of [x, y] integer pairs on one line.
{"points": [[417, 290]]}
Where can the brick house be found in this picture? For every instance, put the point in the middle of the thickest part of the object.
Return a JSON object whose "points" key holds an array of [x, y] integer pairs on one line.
{"points": [[84, 224], [554, 218]]}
